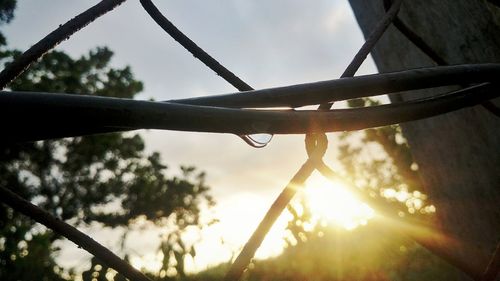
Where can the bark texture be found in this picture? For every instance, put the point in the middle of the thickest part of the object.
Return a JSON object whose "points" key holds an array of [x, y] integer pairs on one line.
{"points": [[458, 153]]}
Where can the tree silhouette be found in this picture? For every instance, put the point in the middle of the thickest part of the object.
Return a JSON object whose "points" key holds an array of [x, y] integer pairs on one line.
{"points": [[100, 178]]}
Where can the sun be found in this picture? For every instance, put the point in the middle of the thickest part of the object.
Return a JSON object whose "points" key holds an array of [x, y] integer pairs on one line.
{"points": [[331, 202]]}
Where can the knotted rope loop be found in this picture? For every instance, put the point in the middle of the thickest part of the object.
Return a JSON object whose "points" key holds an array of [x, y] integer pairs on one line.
{"points": [[316, 145]]}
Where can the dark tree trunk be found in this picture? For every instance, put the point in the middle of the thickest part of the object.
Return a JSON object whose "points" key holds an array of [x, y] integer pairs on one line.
{"points": [[458, 153]]}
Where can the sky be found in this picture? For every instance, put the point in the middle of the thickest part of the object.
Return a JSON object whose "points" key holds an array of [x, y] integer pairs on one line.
{"points": [[266, 43]]}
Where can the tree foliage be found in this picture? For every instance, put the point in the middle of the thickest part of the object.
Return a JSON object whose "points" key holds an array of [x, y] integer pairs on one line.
{"points": [[7, 8], [379, 162], [107, 178]]}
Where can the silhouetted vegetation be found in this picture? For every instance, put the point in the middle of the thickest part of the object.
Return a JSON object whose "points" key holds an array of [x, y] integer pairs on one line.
{"points": [[108, 179]]}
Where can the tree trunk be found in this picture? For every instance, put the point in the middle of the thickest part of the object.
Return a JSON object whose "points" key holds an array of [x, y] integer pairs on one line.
{"points": [[458, 153]]}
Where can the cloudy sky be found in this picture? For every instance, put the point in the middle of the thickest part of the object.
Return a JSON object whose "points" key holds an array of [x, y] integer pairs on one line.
{"points": [[266, 43]]}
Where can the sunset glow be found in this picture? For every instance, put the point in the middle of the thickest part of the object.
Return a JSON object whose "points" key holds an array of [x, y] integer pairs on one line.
{"points": [[332, 203]]}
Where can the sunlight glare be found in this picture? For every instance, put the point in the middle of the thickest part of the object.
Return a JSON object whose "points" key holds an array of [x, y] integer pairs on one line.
{"points": [[331, 202]]}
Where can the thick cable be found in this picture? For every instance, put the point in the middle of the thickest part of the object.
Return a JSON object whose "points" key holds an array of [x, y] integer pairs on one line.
{"points": [[60, 115], [351, 88], [295, 95], [306, 167], [421, 44]]}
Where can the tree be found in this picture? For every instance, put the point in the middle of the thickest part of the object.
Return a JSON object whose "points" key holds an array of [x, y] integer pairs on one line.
{"points": [[7, 8], [367, 253], [379, 162], [80, 179], [456, 153]]}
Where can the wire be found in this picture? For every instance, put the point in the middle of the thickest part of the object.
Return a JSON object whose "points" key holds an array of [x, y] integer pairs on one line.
{"points": [[244, 258], [202, 55], [351, 88], [193, 48], [369, 44], [72, 233], [420, 43], [60, 115], [63, 32], [415, 229]]}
